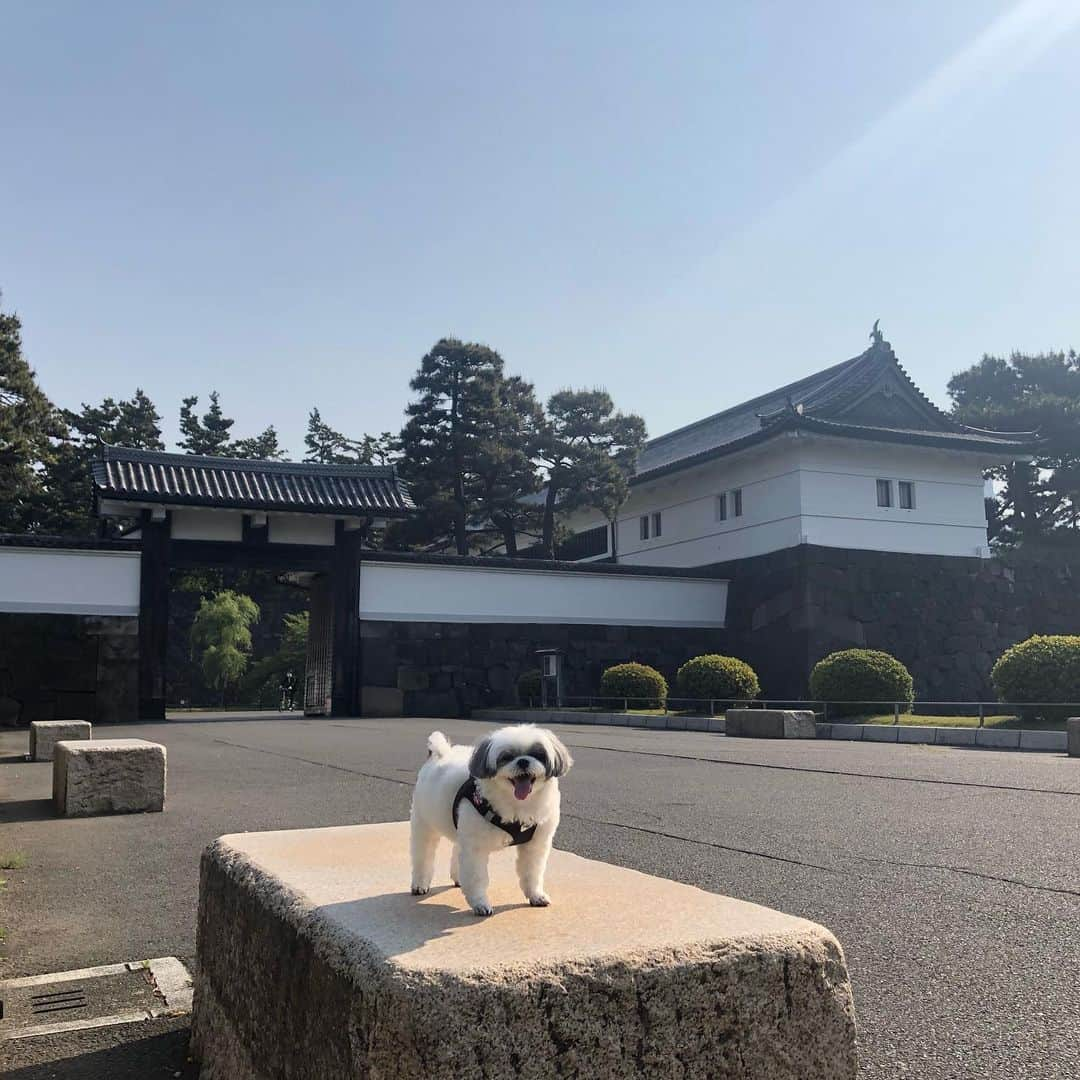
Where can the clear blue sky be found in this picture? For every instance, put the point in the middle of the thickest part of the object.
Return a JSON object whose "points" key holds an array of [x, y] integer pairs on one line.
{"points": [[688, 204]]}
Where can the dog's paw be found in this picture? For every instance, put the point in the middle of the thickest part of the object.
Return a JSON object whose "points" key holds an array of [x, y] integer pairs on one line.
{"points": [[482, 909], [420, 890], [540, 900]]}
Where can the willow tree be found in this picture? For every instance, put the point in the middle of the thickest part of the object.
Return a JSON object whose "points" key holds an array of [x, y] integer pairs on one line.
{"points": [[221, 637]]}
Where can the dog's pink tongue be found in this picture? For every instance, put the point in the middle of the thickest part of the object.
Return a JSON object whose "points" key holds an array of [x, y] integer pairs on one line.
{"points": [[522, 787]]}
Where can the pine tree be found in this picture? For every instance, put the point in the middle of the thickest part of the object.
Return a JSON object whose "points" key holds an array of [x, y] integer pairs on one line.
{"points": [[210, 435], [67, 498], [1036, 500], [505, 466], [447, 431], [28, 422], [589, 451], [263, 447], [327, 446]]}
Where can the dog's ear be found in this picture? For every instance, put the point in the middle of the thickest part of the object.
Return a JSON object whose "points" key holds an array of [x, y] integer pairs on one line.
{"points": [[480, 762], [559, 759]]}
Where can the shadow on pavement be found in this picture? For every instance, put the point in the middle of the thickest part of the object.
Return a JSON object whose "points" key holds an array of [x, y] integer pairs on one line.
{"points": [[162, 1055], [26, 810]]}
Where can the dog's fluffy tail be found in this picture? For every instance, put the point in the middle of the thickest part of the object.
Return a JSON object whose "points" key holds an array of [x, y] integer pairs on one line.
{"points": [[438, 745]]}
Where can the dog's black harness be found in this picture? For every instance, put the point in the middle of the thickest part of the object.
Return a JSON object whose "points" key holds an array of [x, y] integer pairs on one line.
{"points": [[514, 829]]}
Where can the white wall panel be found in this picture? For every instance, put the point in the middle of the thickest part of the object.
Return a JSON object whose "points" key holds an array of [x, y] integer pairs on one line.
{"points": [[301, 529], [207, 525], [60, 581], [423, 592]]}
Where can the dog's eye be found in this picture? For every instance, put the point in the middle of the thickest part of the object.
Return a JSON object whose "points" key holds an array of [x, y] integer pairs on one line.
{"points": [[537, 752], [503, 758]]}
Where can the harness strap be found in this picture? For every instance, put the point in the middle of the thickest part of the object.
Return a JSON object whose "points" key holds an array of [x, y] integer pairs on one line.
{"points": [[514, 829]]}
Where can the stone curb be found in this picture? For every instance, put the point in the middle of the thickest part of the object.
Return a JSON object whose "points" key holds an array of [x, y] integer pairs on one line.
{"points": [[987, 738], [665, 722]]}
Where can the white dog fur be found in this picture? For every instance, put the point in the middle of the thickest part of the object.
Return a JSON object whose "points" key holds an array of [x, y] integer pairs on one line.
{"points": [[506, 755]]}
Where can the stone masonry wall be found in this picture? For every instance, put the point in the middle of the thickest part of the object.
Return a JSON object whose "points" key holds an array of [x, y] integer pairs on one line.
{"points": [[947, 618], [68, 667], [445, 669]]}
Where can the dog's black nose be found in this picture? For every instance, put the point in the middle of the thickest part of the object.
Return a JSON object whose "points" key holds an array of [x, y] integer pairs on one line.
{"points": [[523, 762]]}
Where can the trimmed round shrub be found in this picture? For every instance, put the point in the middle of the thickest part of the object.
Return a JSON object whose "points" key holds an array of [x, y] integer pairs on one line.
{"points": [[1046, 667], [642, 686], [860, 676], [717, 677], [528, 687]]}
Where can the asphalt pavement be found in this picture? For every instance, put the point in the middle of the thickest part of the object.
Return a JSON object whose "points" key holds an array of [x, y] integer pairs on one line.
{"points": [[951, 876]]}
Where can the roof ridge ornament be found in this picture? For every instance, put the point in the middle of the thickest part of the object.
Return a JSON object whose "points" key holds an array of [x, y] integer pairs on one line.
{"points": [[876, 336]]}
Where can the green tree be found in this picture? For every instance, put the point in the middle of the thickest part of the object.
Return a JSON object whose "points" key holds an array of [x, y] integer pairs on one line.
{"points": [[589, 452], [265, 677], [327, 446], [28, 422], [221, 637], [1038, 499], [447, 433], [67, 498], [506, 468], [209, 434], [262, 447]]}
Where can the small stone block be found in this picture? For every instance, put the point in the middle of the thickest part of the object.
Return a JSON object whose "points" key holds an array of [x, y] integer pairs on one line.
{"points": [[697, 723], [1043, 740], [717, 725], [314, 960], [914, 734], [997, 738], [45, 734], [1072, 727], [108, 776], [881, 733], [654, 721], [771, 724]]}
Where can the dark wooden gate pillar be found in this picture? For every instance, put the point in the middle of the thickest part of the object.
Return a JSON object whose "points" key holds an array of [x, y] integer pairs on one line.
{"points": [[153, 616], [345, 598]]}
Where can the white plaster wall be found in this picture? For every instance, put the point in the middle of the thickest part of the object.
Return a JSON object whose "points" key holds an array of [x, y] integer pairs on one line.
{"points": [[420, 592], [58, 581], [807, 490], [839, 499], [691, 536], [301, 529], [206, 525]]}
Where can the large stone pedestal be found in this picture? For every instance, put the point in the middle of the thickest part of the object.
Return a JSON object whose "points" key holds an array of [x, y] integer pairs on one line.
{"points": [[108, 776], [314, 961]]}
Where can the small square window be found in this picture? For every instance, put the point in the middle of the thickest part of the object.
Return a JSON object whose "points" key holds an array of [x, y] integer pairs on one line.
{"points": [[736, 502], [721, 507], [656, 524], [644, 526], [884, 493], [905, 489]]}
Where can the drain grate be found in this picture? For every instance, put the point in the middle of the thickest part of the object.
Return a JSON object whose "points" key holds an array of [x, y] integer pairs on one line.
{"points": [[59, 1001], [93, 997]]}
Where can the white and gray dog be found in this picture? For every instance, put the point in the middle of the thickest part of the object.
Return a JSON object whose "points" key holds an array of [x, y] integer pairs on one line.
{"points": [[502, 792]]}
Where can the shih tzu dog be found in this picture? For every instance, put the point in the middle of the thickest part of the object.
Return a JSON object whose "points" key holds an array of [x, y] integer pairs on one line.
{"points": [[500, 793]]}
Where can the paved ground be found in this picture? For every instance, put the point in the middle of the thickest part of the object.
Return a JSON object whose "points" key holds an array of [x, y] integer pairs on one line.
{"points": [[952, 877]]}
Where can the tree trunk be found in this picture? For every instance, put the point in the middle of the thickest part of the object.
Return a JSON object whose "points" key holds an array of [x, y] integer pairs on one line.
{"points": [[461, 539], [509, 535], [547, 536]]}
